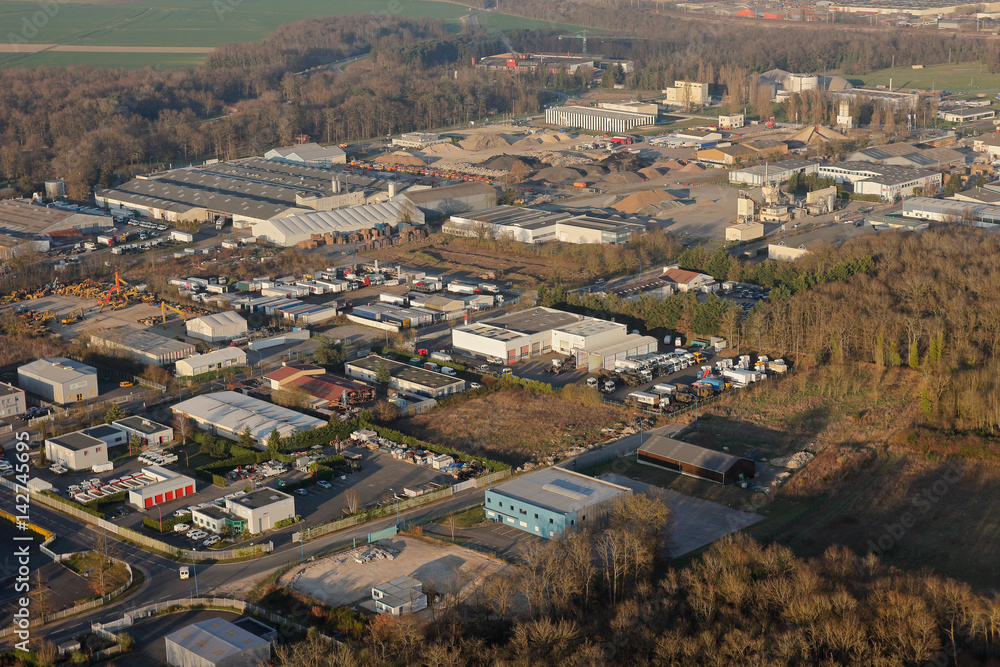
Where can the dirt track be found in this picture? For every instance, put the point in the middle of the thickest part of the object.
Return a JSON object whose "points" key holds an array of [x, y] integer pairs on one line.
{"points": [[38, 48]]}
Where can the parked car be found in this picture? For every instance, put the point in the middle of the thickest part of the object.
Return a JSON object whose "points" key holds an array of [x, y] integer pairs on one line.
{"points": [[301, 492], [180, 513], [181, 528], [210, 541], [475, 385], [198, 535], [323, 483]]}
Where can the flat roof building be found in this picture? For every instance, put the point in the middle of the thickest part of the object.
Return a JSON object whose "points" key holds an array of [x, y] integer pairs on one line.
{"points": [[166, 487], [263, 508], [529, 225], [695, 461], [598, 120], [553, 500], [198, 364], [775, 172], [76, 450], [12, 401], [216, 643], [294, 229], [400, 596], [449, 199], [965, 114], [23, 219], [744, 231], [217, 327], [141, 344], [405, 378], [59, 380], [418, 140], [149, 432], [230, 413], [882, 180]]}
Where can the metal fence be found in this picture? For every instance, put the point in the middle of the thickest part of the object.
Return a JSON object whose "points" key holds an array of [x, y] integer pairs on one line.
{"points": [[382, 534]]}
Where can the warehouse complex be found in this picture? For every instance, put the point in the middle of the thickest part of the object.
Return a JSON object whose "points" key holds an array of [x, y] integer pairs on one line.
{"points": [[217, 327], [404, 378], [449, 199], [230, 413], [288, 231], [141, 344], [216, 360], [594, 343], [309, 154], [599, 120], [885, 181], [550, 501], [776, 172], [59, 380], [529, 225], [695, 461]]}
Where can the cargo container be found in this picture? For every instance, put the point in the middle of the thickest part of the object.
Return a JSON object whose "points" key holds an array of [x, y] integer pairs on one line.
{"points": [[664, 389], [441, 356], [644, 398]]}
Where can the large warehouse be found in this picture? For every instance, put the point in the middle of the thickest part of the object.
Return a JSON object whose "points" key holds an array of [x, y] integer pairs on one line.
{"points": [[547, 502], [529, 225], [598, 120], [216, 643], [311, 154], [405, 378], [59, 380], [211, 361], [776, 172], [142, 345], [695, 461], [297, 228], [217, 327], [230, 413], [449, 199], [540, 330], [23, 219]]}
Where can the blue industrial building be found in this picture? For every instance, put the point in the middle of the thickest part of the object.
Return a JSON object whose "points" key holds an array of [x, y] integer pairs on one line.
{"points": [[549, 501]]}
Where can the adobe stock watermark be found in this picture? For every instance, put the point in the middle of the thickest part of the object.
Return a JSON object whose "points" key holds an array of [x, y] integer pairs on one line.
{"points": [[33, 24], [223, 7], [921, 505]]}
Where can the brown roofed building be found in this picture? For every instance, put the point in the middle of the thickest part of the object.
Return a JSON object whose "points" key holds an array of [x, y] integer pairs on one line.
{"points": [[695, 461], [686, 280]]}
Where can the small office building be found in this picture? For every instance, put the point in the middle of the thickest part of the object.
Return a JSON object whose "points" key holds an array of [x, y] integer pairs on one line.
{"points": [[12, 401], [405, 378], [216, 643], [400, 596], [76, 451], [547, 502], [148, 431], [211, 518], [108, 434], [166, 486], [262, 508], [59, 380], [695, 461]]}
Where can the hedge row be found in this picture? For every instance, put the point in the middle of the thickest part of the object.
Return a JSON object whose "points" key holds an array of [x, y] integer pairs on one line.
{"points": [[73, 503], [97, 503], [168, 524]]}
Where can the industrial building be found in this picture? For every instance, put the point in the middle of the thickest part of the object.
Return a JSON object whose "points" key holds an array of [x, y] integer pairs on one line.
{"points": [[402, 595], [12, 401], [316, 382], [885, 181], [166, 487], [687, 281], [695, 461], [552, 63], [784, 84], [225, 357], [688, 93], [261, 509], [150, 433], [24, 220], [404, 378], [141, 344], [528, 225], [908, 155], [216, 520], [311, 154], [245, 192], [216, 643], [76, 450], [550, 501], [230, 413], [988, 143], [539, 330], [776, 172], [603, 357], [58, 380], [108, 434], [965, 114], [744, 231], [727, 155], [598, 120], [217, 327], [449, 199], [289, 231], [651, 108], [419, 140], [951, 211]]}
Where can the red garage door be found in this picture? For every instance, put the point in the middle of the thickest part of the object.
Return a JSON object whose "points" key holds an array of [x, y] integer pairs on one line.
{"points": [[170, 496], [159, 498], [180, 492], [190, 489], [149, 502]]}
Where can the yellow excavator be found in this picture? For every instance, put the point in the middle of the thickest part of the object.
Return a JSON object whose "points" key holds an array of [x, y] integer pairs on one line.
{"points": [[73, 317], [163, 312]]}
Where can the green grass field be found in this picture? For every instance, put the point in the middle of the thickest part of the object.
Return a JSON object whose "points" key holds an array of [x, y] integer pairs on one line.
{"points": [[957, 77], [192, 23]]}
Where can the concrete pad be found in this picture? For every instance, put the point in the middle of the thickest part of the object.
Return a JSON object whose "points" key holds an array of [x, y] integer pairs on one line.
{"points": [[694, 522]]}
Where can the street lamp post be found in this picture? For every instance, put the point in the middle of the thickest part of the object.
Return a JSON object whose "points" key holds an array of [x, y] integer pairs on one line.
{"points": [[195, 569], [160, 511]]}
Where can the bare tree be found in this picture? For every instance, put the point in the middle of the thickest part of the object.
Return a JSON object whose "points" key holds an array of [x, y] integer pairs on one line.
{"points": [[353, 501], [182, 425]]}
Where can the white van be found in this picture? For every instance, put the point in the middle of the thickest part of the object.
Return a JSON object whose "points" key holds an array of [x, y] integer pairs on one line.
{"points": [[185, 573]]}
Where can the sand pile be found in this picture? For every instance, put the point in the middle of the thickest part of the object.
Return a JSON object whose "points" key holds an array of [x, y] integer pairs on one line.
{"points": [[670, 164], [443, 149], [692, 168], [482, 142], [624, 178], [505, 163], [527, 142], [401, 157], [640, 200], [594, 169], [557, 175], [652, 172]]}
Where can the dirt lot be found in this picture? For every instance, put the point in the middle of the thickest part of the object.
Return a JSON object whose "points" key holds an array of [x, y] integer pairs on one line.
{"points": [[513, 425], [339, 580]]}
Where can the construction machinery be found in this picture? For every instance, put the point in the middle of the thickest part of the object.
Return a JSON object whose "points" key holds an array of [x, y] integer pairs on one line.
{"points": [[72, 318], [123, 289], [163, 311]]}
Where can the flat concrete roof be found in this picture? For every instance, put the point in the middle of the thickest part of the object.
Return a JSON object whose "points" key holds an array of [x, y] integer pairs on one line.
{"points": [[142, 340], [7, 389], [413, 374], [57, 369], [559, 490], [76, 441], [534, 320], [142, 425], [261, 498]]}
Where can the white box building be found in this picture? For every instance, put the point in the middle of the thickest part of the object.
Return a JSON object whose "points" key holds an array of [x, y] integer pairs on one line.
{"points": [[167, 486], [148, 431], [262, 508], [211, 361], [217, 327], [59, 380], [12, 401], [76, 451], [400, 596]]}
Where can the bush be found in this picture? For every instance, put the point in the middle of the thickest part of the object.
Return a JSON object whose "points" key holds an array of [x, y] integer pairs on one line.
{"points": [[219, 480], [126, 642], [168, 524]]}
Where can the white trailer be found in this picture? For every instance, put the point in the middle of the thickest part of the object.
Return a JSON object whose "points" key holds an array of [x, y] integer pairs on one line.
{"points": [[644, 398]]}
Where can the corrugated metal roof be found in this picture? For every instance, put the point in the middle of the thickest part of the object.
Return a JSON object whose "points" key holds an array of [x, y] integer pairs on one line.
{"points": [[215, 639], [684, 452]]}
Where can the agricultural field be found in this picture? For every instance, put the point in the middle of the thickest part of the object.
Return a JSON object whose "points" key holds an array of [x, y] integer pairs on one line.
{"points": [[959, 77], [185, 24]]}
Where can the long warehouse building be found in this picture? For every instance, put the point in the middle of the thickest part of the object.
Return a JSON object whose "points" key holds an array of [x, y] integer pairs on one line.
{"points": [[297, 228], [142, 345], [598, 120], [230, 413]]}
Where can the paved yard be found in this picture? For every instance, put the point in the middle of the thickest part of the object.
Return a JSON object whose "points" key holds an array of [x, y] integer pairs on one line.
{"points": [[339, 580], [694, 522]]}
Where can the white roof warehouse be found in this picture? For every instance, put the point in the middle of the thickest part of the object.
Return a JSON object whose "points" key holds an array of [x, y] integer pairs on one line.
{"points": [[229, 413], [297, 228]]}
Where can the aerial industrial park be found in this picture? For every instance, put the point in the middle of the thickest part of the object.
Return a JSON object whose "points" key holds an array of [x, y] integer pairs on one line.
{"points": [[495, 387]]}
